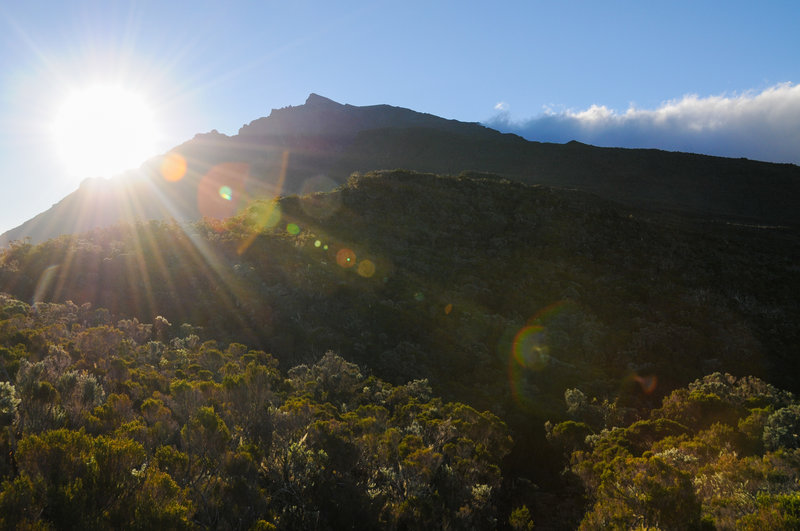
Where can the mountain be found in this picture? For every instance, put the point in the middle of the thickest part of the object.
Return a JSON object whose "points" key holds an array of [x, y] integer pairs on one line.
{"points": [[318, 145], [323, 117], [526, 340]]}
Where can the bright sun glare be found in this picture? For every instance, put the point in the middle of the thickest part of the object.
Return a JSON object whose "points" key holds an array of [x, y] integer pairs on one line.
{"points": [[102, 130]]}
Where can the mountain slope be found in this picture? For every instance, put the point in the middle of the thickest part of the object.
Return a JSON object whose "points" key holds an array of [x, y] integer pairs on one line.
{"points": [[515, 298], [317, 145], [667, 294]]}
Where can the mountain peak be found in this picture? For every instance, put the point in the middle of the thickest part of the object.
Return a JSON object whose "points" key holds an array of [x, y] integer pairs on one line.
{"points": [[315, 100], [321, 116]]}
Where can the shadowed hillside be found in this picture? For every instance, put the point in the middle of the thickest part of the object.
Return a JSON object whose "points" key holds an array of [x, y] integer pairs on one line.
{"points": [[532, 302], [686, 295]]}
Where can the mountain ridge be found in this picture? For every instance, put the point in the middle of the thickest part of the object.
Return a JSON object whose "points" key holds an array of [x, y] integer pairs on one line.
{"points": [[318, 145], [321, 116]]}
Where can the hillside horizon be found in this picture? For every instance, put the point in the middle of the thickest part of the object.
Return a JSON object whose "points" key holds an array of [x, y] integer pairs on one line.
{"points": [[317, 145]]}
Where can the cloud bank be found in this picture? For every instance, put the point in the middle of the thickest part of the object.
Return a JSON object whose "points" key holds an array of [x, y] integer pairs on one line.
{"points": [[761, 126]]}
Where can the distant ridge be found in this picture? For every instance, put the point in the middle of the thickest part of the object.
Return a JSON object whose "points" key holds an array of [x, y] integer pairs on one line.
{"points": [[320, 116], [319, 144]]}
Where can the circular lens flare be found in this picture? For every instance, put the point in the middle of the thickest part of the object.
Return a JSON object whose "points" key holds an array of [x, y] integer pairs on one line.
{"points": [[528, 353], [346, 258], [648, 383], [173, 167], [221, 190], [529, 348], [366, 268]]}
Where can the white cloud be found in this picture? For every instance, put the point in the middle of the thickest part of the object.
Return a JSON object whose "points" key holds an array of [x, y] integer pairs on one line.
{"points": [[501, 106], [758, 125]]}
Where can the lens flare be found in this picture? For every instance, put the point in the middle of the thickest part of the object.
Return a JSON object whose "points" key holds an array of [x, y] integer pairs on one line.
{"points": [[448, 309], [293, 229], [346, 258], [45, 282], [173, 167], [528, 352], [529, 355], [317, 243], [648, 383], [529, 348], [221, 191], [366, 268], [264, 215], [260, 216]]}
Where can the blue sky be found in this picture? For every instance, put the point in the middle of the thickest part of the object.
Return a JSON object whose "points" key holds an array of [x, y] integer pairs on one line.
{"points": [[711, 77]]}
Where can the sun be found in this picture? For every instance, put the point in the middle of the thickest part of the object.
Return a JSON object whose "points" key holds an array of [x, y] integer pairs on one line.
{"points": [[102, 130]]}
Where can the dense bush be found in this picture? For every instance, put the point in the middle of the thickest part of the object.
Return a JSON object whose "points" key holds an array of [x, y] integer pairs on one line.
{"points": [[182, 434], [696, 462]]}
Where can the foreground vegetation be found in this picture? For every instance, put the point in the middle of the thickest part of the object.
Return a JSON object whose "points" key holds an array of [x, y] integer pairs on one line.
{"points": [[108, 426], [142, 425], [721, 454], [517, 305]]}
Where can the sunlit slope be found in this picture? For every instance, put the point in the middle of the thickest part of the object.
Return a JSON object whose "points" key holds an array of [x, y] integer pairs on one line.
{"points": [[97, 203], [319, 144]]}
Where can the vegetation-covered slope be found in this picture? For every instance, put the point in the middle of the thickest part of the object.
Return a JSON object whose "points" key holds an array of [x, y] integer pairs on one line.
{"points": [[503, 296], [451, 267]]}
